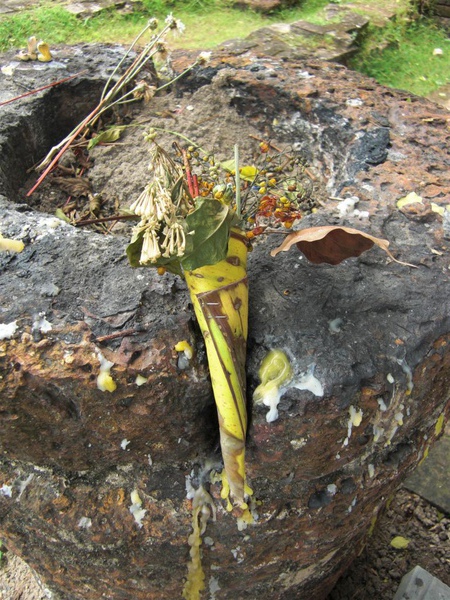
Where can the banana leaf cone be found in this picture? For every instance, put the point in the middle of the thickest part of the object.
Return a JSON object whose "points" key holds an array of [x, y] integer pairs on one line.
{"points": [[219, 293]]}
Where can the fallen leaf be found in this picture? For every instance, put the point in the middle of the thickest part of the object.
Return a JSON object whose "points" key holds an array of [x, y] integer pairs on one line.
{"points": [[399, 542], [332, 244], [106, 137], [75, 186]]}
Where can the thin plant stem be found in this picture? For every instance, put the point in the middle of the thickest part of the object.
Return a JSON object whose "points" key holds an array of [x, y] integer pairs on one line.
{"points": [[180, 135], [177, 77], [119, 64], [238, 180]]}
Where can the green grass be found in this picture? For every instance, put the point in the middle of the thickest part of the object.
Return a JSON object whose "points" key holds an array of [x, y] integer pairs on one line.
{"points": [[208, 23], [407, 62]]}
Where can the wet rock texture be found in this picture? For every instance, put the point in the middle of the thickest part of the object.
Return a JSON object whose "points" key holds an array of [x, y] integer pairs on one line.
{"points": [[71, 454]]}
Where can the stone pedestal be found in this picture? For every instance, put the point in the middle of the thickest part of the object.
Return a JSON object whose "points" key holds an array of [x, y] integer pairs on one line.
{"points": [[71, 455]]}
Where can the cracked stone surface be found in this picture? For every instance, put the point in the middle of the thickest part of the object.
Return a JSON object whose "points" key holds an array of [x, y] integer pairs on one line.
{"points": [[65, 476], [337, 41]]}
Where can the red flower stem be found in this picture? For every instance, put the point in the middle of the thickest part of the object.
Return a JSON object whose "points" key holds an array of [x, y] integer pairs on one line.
{"points": [[195, 183], [187, 168], [45, 87]]}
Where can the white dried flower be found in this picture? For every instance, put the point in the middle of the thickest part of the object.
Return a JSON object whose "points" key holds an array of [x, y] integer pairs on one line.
{"points": [[153, 203], [175, 240], [180, 26], [170, 21], [161, 49], [204, 58], [153, 23], [142, 204], [175, 23], [144, 91], [150, 247]]}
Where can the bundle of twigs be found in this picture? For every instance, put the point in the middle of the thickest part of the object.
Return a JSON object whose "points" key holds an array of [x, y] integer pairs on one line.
{"points": [[114, 92]]}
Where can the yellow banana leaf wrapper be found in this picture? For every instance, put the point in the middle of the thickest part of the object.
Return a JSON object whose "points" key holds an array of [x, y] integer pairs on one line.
{"points": [[214, 263], [219, 293]]}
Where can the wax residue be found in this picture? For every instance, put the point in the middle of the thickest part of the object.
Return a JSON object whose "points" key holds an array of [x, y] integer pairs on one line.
{"points": [[277, 376], [202, 508], [136, 508], [7, 330], [105, 382], [309, 382], [275, 372]]}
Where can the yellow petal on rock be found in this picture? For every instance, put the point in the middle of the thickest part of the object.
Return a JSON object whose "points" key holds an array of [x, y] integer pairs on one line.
{"points": [[184, 346], [399, 542], [11, 245], [411, 198], [248, 173], [140, 380], [105, 382]]}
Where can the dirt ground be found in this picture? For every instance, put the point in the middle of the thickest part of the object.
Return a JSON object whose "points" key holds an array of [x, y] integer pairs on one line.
{"points": [[118, 172]]}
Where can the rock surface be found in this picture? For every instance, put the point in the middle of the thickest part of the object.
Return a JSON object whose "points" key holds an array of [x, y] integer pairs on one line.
{"points": [[85, 9], [72, 455], [337, 40]]}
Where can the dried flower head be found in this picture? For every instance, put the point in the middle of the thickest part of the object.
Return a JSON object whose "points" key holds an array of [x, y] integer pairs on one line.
{"points": [[204, 58], [144, 91], [161, 49], [150, 247], [162, 206], [175, 23]]}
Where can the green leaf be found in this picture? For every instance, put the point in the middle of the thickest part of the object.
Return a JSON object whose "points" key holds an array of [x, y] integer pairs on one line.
{"points": [[61, 215], [177, 190], [109, 135], [134, 250], [209, 229], [228, 165], [399, 542]]}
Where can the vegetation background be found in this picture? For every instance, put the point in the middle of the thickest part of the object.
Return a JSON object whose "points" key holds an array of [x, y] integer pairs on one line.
{"points": [[404, 53]]}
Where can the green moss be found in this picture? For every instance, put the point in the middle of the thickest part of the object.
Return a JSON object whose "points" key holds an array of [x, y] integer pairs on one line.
{"points": [[406, 59]]}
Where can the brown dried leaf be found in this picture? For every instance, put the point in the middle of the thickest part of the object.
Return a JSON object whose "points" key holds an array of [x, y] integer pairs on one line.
{"points": [[332, 244], [75, 186]]}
